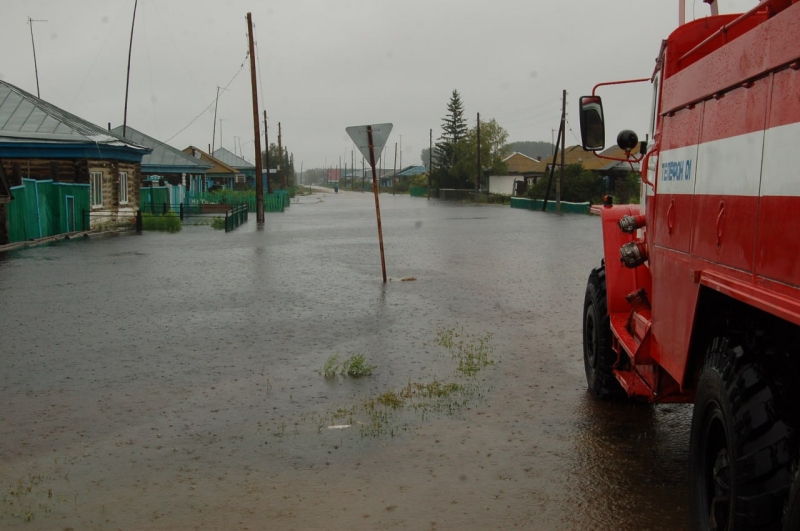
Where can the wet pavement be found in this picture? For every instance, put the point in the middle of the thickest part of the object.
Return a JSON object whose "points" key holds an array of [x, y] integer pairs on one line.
{"points": [[174, 381]]}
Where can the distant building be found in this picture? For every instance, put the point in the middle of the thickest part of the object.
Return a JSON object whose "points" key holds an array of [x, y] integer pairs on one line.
{"points": [[402, 174], [519, 168], [220, 174], [168, 164], [240, 165], [64, 168]]}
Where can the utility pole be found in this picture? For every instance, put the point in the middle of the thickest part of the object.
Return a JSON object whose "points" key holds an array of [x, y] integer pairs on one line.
{"points": [[256, 132], [430, 162], [363, 175], [339, 169], [352, 168], [266, 151], [127, 79], [214, 129], [394, 170], [220, 134], [35, 66], [478, 176], [563, 139], [280, 159]]}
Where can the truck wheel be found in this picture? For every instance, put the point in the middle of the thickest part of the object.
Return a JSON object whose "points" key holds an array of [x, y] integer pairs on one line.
{"points": [[598, 357], [791, 516], [740, 453]]}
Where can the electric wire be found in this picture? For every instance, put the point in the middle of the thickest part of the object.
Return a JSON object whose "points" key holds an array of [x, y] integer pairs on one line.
{"points": [[174, 45], [241, 67], [100, 50], [149, 70]]}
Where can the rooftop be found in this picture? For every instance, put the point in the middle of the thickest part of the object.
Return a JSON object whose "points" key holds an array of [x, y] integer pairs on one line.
{"points": [[164, 158], [24, 118]]}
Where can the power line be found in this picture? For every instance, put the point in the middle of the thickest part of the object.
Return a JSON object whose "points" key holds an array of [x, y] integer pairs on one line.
{"points": [[241, 67]]}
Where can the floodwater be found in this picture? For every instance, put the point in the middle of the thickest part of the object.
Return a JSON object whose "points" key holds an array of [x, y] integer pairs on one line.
{"points": [[174, 381]]}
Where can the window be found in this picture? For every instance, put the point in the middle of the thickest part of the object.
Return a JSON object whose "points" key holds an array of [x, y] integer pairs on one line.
{"points": [[123, 188], [97, 188], [654, 113]]}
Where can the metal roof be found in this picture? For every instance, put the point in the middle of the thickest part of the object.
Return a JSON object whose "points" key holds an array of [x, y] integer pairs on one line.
{"points": [[24, 118], [232, 160], [167, 158]]}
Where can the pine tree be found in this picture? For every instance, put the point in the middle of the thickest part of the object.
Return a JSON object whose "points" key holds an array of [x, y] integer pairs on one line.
{"points": [[454, 129]]}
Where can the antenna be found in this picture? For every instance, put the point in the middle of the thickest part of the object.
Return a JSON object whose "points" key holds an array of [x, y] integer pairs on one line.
{"points": [[33, 45]]}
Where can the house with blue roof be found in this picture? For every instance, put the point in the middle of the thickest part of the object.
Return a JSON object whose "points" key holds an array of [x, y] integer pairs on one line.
{"points": [[61, 170], [403, 174], [239, 164], [166, 164]]}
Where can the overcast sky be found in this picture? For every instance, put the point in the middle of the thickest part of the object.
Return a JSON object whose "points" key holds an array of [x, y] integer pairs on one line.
{"points": [[328, 64]]}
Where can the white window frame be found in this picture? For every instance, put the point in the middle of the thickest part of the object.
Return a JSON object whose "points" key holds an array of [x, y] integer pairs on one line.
{"points": [[97, 188], [123, 188]]}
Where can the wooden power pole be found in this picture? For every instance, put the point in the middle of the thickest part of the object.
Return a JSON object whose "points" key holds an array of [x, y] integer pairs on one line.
{"points": [[563, 139], [280, 159], [394, 169], [266, 151], [256, 132], [478, 176], [430, 162], [127, 79]]}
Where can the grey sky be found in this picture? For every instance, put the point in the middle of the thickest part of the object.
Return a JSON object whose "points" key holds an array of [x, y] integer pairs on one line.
{"points": [[329, 64]]}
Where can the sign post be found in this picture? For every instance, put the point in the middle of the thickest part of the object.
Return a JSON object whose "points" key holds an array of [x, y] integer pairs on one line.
{"points": [[370, 139]]}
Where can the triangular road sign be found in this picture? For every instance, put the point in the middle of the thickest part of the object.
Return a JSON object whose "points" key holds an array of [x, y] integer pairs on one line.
{"points": [[380, 134]]}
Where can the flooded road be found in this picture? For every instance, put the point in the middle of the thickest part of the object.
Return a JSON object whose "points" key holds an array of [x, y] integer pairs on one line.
{"points": [[174, 381]]}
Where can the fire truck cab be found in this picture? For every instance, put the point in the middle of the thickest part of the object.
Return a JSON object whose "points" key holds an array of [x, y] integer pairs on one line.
{"points": [[698, 295]]}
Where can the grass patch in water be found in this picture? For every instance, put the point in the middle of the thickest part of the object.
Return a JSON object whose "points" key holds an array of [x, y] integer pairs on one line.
{"points": [[387, 413], [331, 366], [356, 366], [472, 352]]}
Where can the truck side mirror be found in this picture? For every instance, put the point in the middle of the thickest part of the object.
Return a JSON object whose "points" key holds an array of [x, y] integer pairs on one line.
{"points": [[593, 130]]}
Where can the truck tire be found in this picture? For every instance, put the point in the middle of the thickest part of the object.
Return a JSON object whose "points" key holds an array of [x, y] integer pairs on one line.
{"points": [[598, 356], [791, 516], [740, 452]]}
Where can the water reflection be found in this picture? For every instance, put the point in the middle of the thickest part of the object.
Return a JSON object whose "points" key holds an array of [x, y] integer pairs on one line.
{"points": [[630, 466]]}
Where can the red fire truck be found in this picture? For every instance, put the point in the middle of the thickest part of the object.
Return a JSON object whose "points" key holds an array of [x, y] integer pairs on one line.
{"points": [[698, 296]]}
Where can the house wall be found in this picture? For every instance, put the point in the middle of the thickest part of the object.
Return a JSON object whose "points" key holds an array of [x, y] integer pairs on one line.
{"points": [[503, 184], [111, 170], [61, 170]]}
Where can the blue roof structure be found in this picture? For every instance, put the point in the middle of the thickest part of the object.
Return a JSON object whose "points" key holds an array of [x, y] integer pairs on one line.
{"points": [[33, 128], [410, 171], [232, 160], [163, 158]]}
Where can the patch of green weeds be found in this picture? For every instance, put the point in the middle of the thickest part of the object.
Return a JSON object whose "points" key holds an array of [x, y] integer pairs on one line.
{"points": [[472, 352], [391, 399], [331, 367], [356, 366], [387, 413], [218, 223], [169, 222]]}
